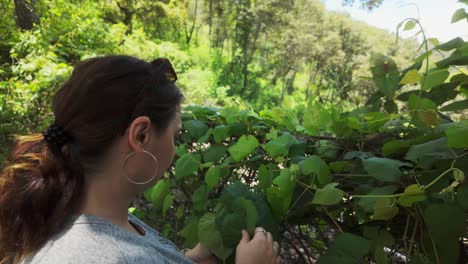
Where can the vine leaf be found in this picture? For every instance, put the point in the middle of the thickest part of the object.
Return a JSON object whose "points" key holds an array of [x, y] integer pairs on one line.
{"points": [[459, 15], [384, 209], [367, 203], [328, 195], [280, 145], [243, 147], [412, 195], [384, 169], [411, 77], [187, 165], [315, 165], [433, 78], [347, 248], [220, 133], [196, 128], [279, 195], [210, 236], [213, 174], [456, 135]]}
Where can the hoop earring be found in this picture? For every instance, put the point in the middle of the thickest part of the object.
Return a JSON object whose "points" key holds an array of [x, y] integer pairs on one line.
{"points": [[155, 170]]}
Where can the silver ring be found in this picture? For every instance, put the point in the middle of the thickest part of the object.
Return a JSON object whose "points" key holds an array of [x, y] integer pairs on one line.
{"points": [[263, 230]]}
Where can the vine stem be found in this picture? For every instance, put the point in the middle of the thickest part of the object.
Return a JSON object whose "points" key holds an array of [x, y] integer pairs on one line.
{"points": [[405, 233], [300, 196], [440, 176], [430, 236], [412, 237], [377, 196], [334, 222]]}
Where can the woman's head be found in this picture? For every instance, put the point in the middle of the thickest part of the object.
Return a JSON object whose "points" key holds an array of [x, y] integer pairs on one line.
{"points": [[105, 95], [111, 107]]}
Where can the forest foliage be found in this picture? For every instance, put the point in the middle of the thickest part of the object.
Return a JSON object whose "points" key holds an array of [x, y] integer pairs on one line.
{"points": [[344, 141]]}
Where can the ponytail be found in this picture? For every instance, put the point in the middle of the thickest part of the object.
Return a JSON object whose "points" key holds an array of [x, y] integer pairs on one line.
{"points": [[39, 189]]}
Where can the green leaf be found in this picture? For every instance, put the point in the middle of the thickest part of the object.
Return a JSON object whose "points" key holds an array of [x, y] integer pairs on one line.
{"points": [[280, 194], [445, 221], [237, 129], [200, 198], [384, 169], [346, 249], [452, 44], [196, 128], [315, 165], [206, 137], [159, 193], [410, 24], [435, 42], [272, 134], [428, 117], [380, 236], [457, 135], [265, 216], [462, 195], [214, 174], [341, 166], [265, 177], [368, 203], [230, 225], [412, 195], [318, 118], [220, 133], [243, 147], [211, 238], [456, 106], [427, 153], [280, 145], [214, 153], [187, 165], [411, 77], [190, 233], [433, 78], [418, 103], [167, 203], [459, 15], [395, 147], [251, 214], [455, 59], [385, 74], [328, 195], [384, 209]]}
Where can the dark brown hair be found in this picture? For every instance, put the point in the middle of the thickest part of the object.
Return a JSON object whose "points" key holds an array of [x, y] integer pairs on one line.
{"points": [[41, 185]]}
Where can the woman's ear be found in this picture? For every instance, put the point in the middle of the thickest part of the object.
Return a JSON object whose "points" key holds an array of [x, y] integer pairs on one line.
{"points": [[139, 133]]}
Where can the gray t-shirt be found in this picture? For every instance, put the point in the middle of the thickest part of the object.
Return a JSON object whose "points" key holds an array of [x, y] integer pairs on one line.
{"points": [[91, 239]]}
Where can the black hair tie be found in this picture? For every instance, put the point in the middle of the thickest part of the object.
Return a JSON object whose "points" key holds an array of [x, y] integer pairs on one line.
{"points": [[56, 136]]}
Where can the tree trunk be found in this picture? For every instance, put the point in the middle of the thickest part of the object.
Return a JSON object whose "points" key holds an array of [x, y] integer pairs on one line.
{"points": [[189, 33], [25, 14], [128, 14]]}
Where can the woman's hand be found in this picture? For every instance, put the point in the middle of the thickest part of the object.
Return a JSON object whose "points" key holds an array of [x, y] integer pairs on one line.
{"points": [[201, 255], [261, 249]]}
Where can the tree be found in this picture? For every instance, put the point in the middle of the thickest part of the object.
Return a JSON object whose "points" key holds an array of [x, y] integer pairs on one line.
{"points": [[368, 4], [25, 14]]}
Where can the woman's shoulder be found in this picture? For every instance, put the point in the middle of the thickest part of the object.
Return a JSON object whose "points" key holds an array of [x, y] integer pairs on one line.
{"points": [[91, 239], [80, 242]]}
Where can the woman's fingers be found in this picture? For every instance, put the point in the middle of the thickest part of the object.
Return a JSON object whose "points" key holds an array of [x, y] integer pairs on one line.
{"points": [[260, 233], [278, 260], [276, 248], [269, 238]]}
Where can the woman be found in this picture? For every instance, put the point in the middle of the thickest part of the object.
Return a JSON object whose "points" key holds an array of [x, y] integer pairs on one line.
{"points": [[64, 194]]}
